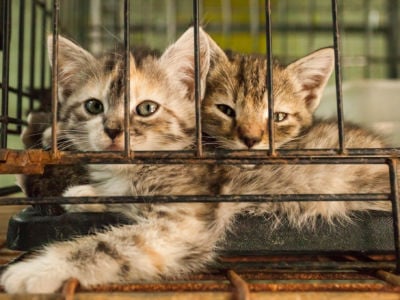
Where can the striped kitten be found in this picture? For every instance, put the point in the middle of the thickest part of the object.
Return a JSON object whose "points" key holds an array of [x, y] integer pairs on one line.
{"points": [[235, 115], [166, 240]]}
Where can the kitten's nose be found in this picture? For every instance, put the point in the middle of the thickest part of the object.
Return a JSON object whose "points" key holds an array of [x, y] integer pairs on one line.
{"points": [[113, 132], [250, 135], [250, 141]]}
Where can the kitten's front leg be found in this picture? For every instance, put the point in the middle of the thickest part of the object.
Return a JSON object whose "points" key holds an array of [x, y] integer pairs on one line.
{"points": [[165, 245], [86, 190], [36, 275]]}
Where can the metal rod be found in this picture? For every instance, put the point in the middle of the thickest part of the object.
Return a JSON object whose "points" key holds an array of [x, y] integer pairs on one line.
{"points": [[311, 265], [388, 277], [17, 91], [43, 49], [10, 120], [8, 190], [241, 288], [197, 83], [6, 68], [20, 72], [338, 77], [32, 56], [54, 78], [127, 97], [198, 199], [394, 189], [269, 78]]}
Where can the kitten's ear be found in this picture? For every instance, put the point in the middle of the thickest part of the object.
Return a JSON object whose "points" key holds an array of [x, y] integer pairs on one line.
{"points": [[178, 60], [312, 73], [217, 55], [72, 62]]}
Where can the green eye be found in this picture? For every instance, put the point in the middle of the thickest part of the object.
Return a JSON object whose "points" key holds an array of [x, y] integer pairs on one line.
{"points": [[94, 106], [280, 116], [147, 108], [229, 111]]}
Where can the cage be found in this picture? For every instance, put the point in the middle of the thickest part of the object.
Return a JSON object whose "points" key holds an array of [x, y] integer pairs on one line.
{"points": [[367, 53]]}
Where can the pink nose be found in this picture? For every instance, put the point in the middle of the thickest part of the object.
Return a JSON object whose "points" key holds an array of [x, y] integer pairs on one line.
{"points": [[249, 135]]}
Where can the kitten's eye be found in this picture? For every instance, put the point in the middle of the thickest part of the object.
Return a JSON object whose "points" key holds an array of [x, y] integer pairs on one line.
{"points": [[229, 111], [94, 106], [147, 108], [280, 116]]}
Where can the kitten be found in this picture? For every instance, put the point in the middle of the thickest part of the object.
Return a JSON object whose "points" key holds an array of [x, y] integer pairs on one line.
{"points": [[166, 240], [235, 115]]}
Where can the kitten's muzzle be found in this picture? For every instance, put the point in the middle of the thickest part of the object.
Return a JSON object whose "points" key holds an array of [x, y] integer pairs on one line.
{"points": [[250, 136], [113, 132]]}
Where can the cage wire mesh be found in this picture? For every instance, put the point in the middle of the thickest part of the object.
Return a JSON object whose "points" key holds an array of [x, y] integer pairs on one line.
{"points": [[370, 49]]}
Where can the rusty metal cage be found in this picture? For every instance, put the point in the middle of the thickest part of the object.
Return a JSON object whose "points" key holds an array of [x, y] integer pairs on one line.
{"points": [[29, 90]]}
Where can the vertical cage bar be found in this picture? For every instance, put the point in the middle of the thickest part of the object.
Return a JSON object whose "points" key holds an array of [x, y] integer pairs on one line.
{"points": [[32, 55], [127, 78], [197, 87], [6, 35], [338, 76], [394, 191], [269, 79], [43, 48], [54, 77], [20, 66]]}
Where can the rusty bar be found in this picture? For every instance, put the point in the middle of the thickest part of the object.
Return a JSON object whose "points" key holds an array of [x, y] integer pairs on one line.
{"points": [[323, 286], [199, 286], [184, 286], [197, 198], [309, 265], [33, 161], [394, 189], [388, 277], [197, 83], [241, 288], [6, 37], [127, 97], [269, 78], [54, 79], [69, 288], [338, 77], [315, 275]]}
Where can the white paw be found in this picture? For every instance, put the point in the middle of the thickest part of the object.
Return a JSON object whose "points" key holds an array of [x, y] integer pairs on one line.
{"points": [[83, 191], [33, 276], [86, 190], [84, 207]]}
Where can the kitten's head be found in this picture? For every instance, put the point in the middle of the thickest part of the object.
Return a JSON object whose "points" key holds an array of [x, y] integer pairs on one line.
{"points": [[162, 114], [235, 108]]}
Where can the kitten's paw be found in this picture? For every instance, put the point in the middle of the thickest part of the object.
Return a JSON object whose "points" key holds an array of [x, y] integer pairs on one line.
{"points": [[32, 277], [86, 190], [85, 207], [83, 191]]}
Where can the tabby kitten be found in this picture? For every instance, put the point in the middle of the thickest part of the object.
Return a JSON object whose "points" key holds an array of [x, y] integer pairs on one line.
{"points": [[235, 115], [166, 240]]}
